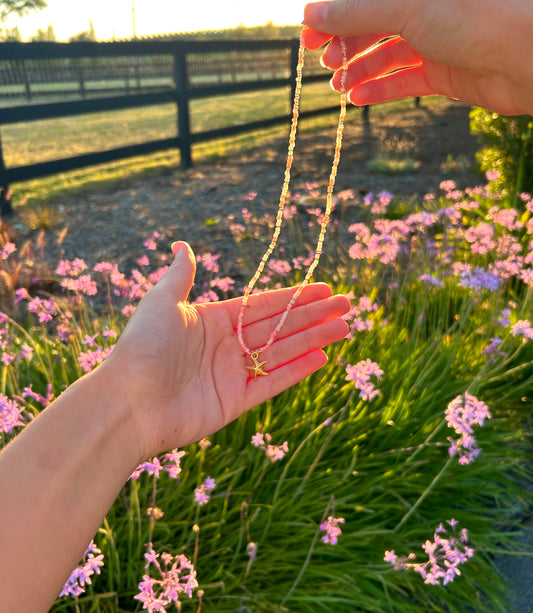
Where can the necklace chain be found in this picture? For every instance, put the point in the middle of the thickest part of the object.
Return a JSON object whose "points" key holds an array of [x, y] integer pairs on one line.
{"points": [[254, 353]]}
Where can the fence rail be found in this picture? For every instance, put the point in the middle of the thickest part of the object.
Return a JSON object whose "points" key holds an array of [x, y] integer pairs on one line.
{"points": [[152, 72], [87, 77]]}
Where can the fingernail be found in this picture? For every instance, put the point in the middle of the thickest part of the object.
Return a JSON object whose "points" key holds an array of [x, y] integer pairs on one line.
{"points": [[316, 14], [176, 246]]}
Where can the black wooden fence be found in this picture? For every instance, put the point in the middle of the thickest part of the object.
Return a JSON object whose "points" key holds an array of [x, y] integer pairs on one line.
{"points": [[178, 75]]}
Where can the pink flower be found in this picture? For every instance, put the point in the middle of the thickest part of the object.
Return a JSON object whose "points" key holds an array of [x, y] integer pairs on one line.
{"points": [[151, 242], [522, 328], [332, 530], [462, 414], [273, 452], [202, 494], [143, 261], [175, 576], [360, 374], [45, 309], [93, 560], [10, 414], [445, 554], [209, 261], [7, 250]]}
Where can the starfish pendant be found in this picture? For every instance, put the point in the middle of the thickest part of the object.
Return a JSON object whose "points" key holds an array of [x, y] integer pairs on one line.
{"points": [[258, 366]]}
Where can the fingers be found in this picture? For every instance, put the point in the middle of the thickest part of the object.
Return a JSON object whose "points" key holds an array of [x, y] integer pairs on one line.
{"points": [[407, 83], [394, 54], [354, 17], [267, 304], [179, 277], [355, 45], [286, 350], [292, 359], [300, 318], [313, 39], [279, 380]]}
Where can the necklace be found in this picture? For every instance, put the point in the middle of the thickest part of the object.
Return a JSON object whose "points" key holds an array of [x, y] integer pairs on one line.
{"points": [[257, 367]]}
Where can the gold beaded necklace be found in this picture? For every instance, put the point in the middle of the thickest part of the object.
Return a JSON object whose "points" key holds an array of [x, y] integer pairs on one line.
{"points": [[257, 367]]}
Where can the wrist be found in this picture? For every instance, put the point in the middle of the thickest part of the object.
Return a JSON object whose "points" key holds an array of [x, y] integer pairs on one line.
{"points": [[112, 416]]}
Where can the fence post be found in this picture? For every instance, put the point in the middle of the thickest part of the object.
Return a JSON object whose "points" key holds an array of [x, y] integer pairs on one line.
{"points": [[5, 192], [182, 101], [24, 75]]}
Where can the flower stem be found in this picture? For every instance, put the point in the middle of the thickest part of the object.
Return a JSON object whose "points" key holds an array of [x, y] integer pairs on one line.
{"points": [[425, 493]]}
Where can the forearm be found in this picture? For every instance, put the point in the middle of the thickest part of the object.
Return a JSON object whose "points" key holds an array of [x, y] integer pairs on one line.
{"points": [[58, 479]]}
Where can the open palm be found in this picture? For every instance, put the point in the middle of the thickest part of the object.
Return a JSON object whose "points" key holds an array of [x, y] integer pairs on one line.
{"points": [[182, 370]]}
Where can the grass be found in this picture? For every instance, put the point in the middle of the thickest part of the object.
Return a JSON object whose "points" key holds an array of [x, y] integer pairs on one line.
{"points": [[51, 139], [382, 465]]}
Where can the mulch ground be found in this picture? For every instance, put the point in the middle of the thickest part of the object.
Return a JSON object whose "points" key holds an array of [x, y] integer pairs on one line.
{"points": [[112, 224]]}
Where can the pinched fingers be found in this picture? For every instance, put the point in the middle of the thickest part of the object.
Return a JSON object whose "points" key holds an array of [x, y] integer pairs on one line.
{"points": [[386, 58], [355, 45], [407, 83]]}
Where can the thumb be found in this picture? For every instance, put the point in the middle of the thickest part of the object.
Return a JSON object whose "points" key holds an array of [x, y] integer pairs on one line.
{"points": [[355, 17], [179, 277]]}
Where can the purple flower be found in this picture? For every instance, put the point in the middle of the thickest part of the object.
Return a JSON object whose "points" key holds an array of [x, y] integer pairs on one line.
{"points": [[92, 561], [479, 279], [462, 414], [445, 554], [202, 494], [170, 463], [44, 309], [10, 414], [331, 529]]}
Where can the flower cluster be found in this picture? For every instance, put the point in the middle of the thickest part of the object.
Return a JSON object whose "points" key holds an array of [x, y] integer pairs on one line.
{"points": [[93, 560], [355, 316], [360, 374], [176, 576], [170, 463], [331, 529], [10, 414], [202, 494], [273, 452], [462, 414], [446, 552]]}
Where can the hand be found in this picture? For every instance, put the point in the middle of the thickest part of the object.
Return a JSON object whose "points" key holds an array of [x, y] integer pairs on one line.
{"points": [[478, 51], [180, 367]]}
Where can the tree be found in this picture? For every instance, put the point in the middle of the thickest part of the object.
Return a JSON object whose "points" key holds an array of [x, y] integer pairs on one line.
{"points": [[47, 35], [10, 35], [87, 35], [19, 7]]}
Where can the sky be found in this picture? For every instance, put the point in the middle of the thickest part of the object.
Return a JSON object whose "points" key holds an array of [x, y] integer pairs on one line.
{"points": [[113, 18]]}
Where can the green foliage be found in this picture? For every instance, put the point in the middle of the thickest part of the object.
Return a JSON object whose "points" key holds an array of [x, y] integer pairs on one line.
{"points": [[10, 35], [507, 148], [48, 35], [382, 465], [85, 36], [19, 7]]}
